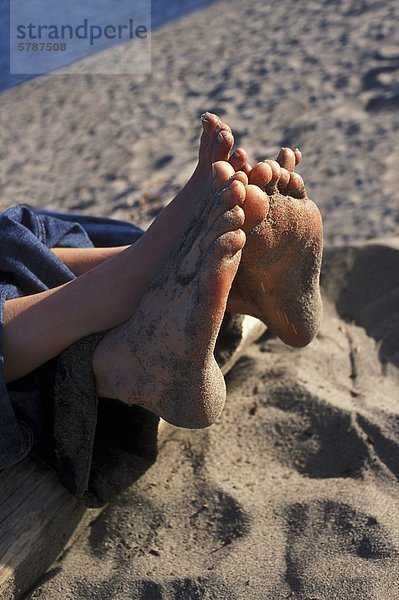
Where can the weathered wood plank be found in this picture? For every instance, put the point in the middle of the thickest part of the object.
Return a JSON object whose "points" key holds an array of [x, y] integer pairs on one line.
{"points": [[37, 518], [251, 330]]}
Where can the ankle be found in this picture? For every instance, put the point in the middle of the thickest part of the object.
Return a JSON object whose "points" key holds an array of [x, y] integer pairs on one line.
{"points": [[116, 371]]}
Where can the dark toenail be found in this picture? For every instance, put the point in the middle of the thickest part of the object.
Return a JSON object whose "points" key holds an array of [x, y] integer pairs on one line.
{"points": [[206, 123]]}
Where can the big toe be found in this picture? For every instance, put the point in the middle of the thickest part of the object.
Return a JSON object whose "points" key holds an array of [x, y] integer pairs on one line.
{"points": [[217, 139], [210, 122]]}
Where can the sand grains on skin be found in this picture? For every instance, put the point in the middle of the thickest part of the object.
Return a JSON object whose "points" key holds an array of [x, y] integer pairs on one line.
{"points": [[164, 353], [278, 278]]}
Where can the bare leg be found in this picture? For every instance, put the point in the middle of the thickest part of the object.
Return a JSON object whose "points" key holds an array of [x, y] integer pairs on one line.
{"points": [[81, 260], [39, 327], [113, 281]]}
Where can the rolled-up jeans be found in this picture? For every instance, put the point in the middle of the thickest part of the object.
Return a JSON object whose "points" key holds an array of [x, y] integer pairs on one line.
{"points": [[54, 411], [27, 266]]}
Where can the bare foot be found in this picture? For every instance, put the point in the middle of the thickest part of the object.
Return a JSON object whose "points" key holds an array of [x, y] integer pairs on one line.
{"points": [[278, 278], [215, 145], [162, 358], [129, 274]]}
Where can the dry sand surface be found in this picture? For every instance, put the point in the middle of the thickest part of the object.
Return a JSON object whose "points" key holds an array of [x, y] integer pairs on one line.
{"points": [[294, 492]]}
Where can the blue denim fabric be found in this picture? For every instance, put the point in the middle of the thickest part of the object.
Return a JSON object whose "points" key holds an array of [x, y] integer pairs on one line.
{"points": [[28, 266]]}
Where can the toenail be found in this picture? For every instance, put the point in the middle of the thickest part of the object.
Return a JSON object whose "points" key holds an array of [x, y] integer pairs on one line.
{"points": [[206, 123], [209, 117]]}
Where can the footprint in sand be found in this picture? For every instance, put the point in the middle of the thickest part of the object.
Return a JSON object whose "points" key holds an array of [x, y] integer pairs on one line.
{"points": [[382, 82], [198, 588], [326, 444], [354, 553], [219, 521]]}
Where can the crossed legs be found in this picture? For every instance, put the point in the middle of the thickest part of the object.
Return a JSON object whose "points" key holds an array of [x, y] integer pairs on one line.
{"points": [[244, 239]]}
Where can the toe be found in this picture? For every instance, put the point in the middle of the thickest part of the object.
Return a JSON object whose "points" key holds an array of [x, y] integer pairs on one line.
{"points": [[298, 156], [256, 207], [261, 175], [238, 159], [283, 181], [231, 193], [287, 159], [241, 176], [276, 174], [224, 202], [230, 221], [222, 143], [222, 172], [209, 123], [247, 168], [296, 186], [225, 233], [230, 196], [227, 245]]}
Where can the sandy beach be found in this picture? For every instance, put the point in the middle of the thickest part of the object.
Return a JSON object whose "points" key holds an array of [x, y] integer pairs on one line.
{"points": [[294, 492]]}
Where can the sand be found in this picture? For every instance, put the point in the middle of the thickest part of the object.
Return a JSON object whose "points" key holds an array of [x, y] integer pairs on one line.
{"points": [[293, 493]]}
